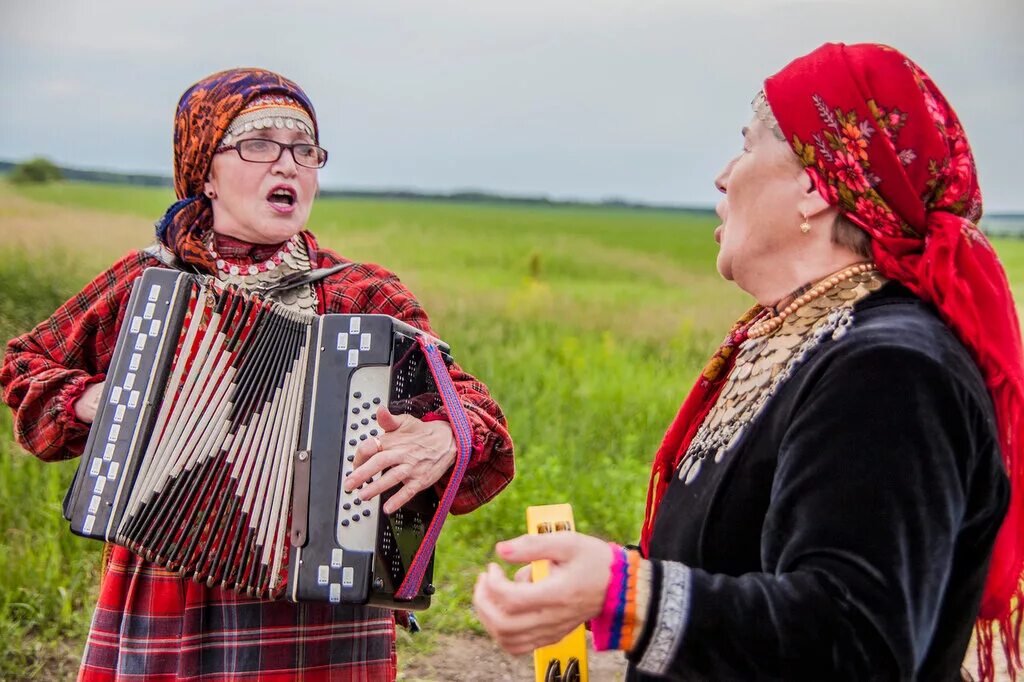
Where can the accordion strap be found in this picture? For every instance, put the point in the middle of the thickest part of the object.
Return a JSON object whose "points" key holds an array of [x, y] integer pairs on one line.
{"points": [[166, 257], [463, 431], [299, 278]]}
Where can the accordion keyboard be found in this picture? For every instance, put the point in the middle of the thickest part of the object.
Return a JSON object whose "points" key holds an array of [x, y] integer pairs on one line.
{"points": [[357, 519], [135, 374]]}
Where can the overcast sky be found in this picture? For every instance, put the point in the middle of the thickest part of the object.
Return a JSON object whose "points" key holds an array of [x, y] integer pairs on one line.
{"points": [[584, 99]]}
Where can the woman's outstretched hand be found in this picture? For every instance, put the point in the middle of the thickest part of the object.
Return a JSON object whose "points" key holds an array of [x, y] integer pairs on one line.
{"points": [[521, 615]]}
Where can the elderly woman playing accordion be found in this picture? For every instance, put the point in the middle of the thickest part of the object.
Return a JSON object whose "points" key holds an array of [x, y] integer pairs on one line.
{"points": [[245, 161], [832, 500]]}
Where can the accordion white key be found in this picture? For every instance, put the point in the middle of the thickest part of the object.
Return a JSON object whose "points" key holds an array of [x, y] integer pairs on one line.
{"points": [[226, 427]]}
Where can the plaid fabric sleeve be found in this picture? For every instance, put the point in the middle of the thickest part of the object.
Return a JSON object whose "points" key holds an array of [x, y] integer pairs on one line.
{"points": [[45, 370], [370, 288]]}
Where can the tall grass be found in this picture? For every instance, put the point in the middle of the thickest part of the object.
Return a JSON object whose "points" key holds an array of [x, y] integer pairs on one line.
{"points": [[47, 575]]}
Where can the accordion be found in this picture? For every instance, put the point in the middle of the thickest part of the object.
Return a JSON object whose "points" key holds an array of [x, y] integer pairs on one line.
{"points": [[226, 427]]}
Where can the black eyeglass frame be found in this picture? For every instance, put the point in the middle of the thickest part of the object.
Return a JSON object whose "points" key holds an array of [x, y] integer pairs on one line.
{"points": [[281, 146]]}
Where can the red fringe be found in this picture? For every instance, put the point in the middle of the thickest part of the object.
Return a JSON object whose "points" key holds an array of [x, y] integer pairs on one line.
{"points": [[1008, 629]]}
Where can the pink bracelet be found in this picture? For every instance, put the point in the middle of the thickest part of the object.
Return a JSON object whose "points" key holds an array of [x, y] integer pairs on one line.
{"points": [[603, 626]]}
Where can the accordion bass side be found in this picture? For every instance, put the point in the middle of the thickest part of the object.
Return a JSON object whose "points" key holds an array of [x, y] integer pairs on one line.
{"points": [[226, 427]]}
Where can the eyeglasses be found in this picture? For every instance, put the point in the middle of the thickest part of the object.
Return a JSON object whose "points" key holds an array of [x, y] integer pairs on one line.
{"points": [[259, 150]]}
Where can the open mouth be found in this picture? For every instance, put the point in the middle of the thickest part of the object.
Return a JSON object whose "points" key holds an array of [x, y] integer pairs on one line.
{"points": [[282, 196]]}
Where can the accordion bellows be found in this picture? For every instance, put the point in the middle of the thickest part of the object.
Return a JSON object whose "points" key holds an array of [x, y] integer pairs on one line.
{"points": [[226, 427]]}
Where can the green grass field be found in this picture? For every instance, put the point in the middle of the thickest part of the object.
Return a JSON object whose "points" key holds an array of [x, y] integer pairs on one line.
{"points": [[589, 325]]}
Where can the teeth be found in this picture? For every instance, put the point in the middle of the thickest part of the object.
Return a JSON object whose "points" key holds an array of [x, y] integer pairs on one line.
{"points": [[282, 197]]}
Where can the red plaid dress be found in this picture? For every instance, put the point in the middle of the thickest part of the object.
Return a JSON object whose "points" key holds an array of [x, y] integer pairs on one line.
{"points": [[149, 623]]}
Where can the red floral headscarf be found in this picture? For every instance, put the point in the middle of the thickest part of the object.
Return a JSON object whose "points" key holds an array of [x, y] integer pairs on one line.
{"points": [[204, 113], [880, 142]]}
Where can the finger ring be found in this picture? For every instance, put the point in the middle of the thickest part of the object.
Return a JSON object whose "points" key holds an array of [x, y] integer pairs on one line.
{"points": [[380, 446]]}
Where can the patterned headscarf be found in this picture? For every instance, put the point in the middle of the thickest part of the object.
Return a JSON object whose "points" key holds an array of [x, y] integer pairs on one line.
{"points": [[882, 144], [205, 111]]}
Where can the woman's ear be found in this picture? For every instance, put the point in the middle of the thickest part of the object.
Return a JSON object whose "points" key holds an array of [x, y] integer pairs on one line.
{"points": [[812, 202], [208, 187]]}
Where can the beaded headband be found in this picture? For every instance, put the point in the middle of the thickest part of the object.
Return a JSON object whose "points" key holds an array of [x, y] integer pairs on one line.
{"points": [[763, 111], [270, 111]]}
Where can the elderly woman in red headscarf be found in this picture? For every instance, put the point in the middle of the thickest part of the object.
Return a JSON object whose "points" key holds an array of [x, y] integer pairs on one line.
{"points": [[246, 156], [832, 500]]}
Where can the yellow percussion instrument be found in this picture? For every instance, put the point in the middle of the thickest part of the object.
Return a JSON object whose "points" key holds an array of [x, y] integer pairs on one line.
{"points": [[565, 660]]}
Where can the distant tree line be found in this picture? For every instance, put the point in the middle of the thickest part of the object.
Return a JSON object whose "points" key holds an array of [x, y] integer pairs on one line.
{"points": [[39, 170], [35, 171], [150, 180], [16, 174]]}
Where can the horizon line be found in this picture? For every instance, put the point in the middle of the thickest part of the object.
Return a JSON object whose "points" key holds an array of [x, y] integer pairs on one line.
{"points": [[152, 179]]}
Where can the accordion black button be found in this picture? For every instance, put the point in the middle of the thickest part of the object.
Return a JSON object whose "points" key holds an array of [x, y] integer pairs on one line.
{"points": [[344, 522], [355, 410], [366, 406], [351, 458], [364, 421], [354, 427], [353, 442], [376, 401], [362, 436], [358, 501], [357, 395], [373, 417], [346, 506], [373, 432], [366, 512], [355, 517]]}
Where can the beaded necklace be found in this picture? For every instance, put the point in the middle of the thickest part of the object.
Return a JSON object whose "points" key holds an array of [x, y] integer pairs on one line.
{"points": [[766, 361], [229, 268], [767, 326], [290, 259]]}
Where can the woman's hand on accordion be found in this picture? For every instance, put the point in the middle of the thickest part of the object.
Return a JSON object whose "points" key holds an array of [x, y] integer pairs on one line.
{"points": [[411, 453], [88, 403]]}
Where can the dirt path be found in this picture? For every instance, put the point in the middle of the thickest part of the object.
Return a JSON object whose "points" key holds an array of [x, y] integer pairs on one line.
{"points": [[469, 658], [454, 658]]}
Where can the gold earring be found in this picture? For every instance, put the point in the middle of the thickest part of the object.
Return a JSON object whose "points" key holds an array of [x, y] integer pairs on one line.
{"points": [[805, 226]]}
